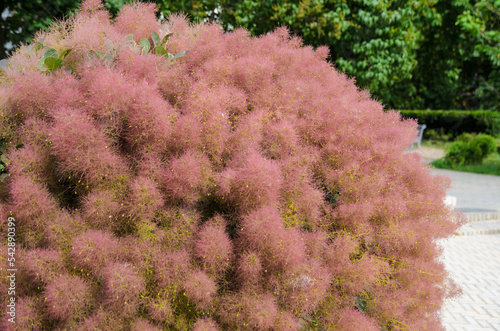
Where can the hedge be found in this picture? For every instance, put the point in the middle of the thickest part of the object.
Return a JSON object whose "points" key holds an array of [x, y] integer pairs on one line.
{"points": [[456, 122]]}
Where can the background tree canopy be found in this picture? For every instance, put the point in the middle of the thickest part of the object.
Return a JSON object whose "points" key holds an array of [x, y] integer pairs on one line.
{"points": [[413, 54]]}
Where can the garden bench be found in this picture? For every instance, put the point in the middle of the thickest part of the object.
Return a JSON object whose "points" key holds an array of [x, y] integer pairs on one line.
{"points": [[418, 141]]}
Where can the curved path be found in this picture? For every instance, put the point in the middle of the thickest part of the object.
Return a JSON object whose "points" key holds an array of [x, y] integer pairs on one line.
{"points": [[475, 193], [473, 256]]}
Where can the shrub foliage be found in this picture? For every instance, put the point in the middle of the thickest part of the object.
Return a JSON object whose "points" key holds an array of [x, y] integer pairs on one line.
{"points": [[245, 185], [470, 149]]}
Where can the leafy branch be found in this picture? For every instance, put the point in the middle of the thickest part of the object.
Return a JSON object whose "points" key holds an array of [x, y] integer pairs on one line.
{"points": [[159, 46], [50, 61]]}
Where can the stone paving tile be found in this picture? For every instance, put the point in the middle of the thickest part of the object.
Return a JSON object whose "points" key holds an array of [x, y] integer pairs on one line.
{"points": [[474, 263], [480, 228], [475, 193]]}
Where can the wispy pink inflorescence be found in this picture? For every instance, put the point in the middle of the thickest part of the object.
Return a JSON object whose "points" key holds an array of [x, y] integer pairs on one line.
{"points": [[249, 268], [160, 310], [102, 320], [186, 177], [247, 135], [91, 6], [106, 90], [300, 197], [205, 324], [141, 324], [214, 248], [138, 19], [84, 150], [171, 268], [31, 95], [33, 203], [280, 139], [149, 120], [245, 185], [251, 183], [89, 33], [138, 67], [28, 316], [101, 208], [68, 297], [200, 289], [123, 286], [286, 321], [174, 82], [185, 134], [66, 91], [42, 265], [32, 161], [93, 250], [146, 198], [250, 310], [351, 319], [210, 107], [263, 231], [303, 289]]}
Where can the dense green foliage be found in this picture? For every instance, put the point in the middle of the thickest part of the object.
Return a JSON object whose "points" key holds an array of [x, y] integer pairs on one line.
{"points": [[470, 149], [456, 122], [490, 166]]}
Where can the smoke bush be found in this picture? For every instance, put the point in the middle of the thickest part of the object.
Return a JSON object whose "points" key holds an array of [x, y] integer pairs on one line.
{"points": [[244, 185]]}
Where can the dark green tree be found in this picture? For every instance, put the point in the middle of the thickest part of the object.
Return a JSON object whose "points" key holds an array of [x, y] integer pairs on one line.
{"points": [[458, 63], [480, 27]]}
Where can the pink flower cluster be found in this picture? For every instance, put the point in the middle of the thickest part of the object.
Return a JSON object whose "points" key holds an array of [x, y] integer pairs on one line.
{"points": [[245, 186]]}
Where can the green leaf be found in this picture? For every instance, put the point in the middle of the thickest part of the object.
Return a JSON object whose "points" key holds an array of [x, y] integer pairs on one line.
{"points": [[160, 51], [50, 53], [53, 63], [3, 177], [4, 63], [146, 46], [37, 46], [29, 49], [165, 39], [2, 167], [129, 41], [109, 45], [156, 38], [64, 54], [41, 65], [181, 54], [4, 158]]}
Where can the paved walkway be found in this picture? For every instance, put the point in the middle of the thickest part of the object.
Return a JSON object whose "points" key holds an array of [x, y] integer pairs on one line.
{"points": [[475, 193], [473, 257], [474, 263]]}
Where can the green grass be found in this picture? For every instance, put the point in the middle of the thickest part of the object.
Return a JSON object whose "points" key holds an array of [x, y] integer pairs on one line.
{"points": [[433, 143], [490, 166]]}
